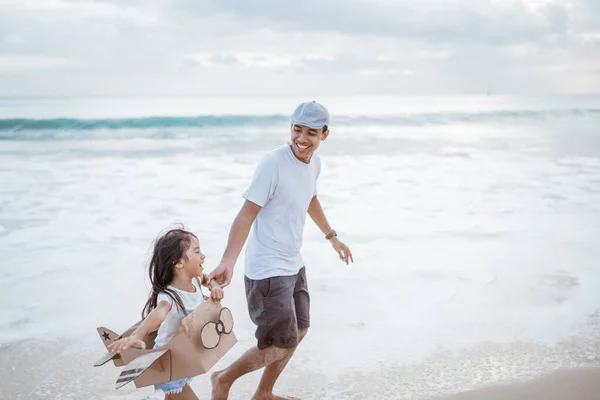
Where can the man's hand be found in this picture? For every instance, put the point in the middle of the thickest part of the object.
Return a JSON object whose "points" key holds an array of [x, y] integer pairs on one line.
{"points": [[222, 274], [342, 250]]}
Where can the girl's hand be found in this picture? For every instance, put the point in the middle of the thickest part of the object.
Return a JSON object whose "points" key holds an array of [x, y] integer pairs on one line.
{"points": [[125, 343], [216, 293]]}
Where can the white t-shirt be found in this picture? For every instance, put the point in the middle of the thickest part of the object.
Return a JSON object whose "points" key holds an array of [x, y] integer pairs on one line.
{"points": [[284, 187], [191, 301]]}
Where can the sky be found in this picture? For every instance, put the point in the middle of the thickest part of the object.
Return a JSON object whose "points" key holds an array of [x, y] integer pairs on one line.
{"points": [[275, 47]]}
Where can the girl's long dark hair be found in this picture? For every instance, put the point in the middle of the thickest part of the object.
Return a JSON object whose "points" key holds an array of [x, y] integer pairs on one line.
{"points": [[169, 249]]}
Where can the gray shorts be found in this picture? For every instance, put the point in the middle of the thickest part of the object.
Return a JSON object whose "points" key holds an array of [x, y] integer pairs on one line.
{"points": [[279, 306]]}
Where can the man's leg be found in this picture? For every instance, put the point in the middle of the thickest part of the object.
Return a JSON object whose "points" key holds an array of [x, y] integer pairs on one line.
{"points": [[270, 309], [272, 372], [251, 360], [302, 310]]}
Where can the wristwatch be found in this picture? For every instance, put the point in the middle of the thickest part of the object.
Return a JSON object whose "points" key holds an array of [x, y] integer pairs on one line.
{"points": [[331, 235]]}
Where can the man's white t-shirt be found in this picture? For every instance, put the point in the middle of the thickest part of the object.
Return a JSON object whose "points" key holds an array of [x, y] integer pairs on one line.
{"points": [[168, 328], [284, 187]]}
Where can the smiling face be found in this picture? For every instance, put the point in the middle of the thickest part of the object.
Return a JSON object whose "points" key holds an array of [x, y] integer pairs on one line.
{"points": [[305, 141], [191, 263]]}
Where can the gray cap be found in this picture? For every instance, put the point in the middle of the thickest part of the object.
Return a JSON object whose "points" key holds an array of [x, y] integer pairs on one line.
{"points": [[311, 114]]}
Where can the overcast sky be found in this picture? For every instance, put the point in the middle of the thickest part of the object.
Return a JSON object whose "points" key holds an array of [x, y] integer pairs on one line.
{"points": [[316, 47]]}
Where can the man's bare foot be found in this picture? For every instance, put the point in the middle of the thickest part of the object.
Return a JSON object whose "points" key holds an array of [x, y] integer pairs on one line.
{"points": [[220, 388], [271, 396]]}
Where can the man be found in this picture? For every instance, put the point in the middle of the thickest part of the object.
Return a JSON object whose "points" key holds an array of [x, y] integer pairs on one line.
{"points": [[281, 193]]}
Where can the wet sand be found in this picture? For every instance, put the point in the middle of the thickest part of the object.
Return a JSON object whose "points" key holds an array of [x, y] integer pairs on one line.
{"points": [[563, 384], [63, 370]]}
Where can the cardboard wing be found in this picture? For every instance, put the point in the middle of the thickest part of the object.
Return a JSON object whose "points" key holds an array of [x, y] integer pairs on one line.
{"points": [[203, 338], [138, 366]]}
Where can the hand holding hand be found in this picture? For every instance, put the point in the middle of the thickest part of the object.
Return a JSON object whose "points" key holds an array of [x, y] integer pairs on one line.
{"points": [[216, 292], [222, 274]]}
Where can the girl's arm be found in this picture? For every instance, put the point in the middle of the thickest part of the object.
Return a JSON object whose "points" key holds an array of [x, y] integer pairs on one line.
{"points": [[149, 324]]}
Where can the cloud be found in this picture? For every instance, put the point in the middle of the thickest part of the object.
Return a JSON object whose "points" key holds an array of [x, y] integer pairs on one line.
{"points": [[16, 62], [131, 47], [433, 21], [302, 64]]}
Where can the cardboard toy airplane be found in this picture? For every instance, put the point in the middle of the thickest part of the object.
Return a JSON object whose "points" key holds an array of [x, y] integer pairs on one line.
{"points": [[202, 339]]}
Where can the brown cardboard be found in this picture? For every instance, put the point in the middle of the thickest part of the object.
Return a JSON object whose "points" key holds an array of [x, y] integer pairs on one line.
{"points": [[184, 356]]}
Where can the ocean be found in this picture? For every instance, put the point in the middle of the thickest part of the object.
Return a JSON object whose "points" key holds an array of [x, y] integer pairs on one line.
{"points": [[474, 224]]}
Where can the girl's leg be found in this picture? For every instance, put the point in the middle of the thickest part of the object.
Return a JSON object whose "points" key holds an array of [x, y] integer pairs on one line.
{"points": [[186, 394]]}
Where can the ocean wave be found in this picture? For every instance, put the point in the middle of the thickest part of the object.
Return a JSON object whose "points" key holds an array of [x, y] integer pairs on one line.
{"points": [[22, 124], [14, 128]]}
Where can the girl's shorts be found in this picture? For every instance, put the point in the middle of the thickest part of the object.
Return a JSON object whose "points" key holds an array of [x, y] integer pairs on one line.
{"points": [[173, 386]]}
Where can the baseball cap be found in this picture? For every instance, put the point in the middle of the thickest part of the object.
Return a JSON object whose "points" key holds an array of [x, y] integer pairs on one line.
{"points": [[311, 114]]}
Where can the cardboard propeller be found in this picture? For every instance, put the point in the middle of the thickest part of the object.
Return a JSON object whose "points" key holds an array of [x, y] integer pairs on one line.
{"points": [[202, 338], [211, 333]]}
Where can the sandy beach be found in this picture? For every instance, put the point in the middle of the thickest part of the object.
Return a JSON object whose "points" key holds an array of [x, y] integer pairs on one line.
{"points": [[568, 371], [563, 384]]}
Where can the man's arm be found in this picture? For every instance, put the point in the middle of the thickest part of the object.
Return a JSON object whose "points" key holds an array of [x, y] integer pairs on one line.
{"points": [[318, 216], [237, 237]]}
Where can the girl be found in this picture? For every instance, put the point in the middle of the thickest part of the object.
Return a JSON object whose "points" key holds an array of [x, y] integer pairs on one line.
{"points": [[174, 269]]}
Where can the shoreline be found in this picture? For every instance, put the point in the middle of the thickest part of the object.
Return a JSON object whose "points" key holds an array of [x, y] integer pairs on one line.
{"points": [[569, 369], [487, 371]]}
